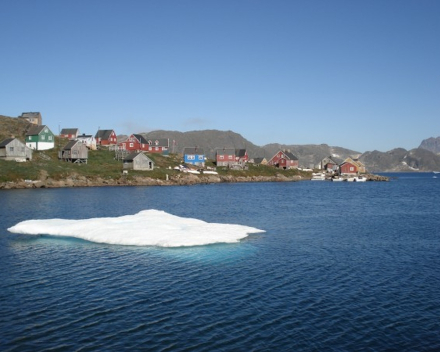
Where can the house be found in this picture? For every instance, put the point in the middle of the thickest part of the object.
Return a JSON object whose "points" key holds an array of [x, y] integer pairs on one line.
{"points": [[70, 133], [258, 161], [241, 156], [32, 117], [75, 152], [136, 142], [347, 168], [329, 164], [194, 156], [361, 167], [14, 149], [225, 156], [160, 145], [138, 161], [40, 138], [106, 137], [88, 140], [284, 159]]}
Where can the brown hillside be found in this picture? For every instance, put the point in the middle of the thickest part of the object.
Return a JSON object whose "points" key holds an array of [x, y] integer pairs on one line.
{"points": [[11, 126]]}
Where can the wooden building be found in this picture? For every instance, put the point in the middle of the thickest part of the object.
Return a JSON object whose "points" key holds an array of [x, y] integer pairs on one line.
{"points": [[69, 133], [284, 159], [106, 137], [225, 156], [88, 140], [194, 156], [14, 149], [74, 152], [40, 138], [347, 168], [138, 161], [32, 117]]}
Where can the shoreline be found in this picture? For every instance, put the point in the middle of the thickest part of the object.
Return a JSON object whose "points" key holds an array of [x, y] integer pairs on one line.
{"points": [[177, 180]]}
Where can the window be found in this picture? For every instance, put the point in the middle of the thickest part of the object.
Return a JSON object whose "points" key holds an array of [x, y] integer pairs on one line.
{"points": [[43, 137], [156, 148], [351, 168], [191, 157], [221, 157], [11, 149], [50, 138], [200, 157], [131, 145]]}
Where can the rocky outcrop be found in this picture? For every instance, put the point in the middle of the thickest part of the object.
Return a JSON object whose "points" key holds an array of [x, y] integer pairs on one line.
{"points": [[180, 179]]}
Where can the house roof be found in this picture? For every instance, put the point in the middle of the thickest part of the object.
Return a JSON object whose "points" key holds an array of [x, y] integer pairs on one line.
{"points": [[69, 131], [132, 156], [240, 153], [196, 150], [258, 160], [103, 134], [84, 136], [225, 151], [161, 142], [30, 114], [5, 142], [140, 138], [71, 144], [36, 130], [289, 155]]}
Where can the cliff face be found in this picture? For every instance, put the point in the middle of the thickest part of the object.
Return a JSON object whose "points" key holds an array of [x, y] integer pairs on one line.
{"points": [[432, 144]]}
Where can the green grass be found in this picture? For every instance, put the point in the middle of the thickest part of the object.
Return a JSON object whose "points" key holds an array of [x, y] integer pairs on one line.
{"points": [[102, 164]]}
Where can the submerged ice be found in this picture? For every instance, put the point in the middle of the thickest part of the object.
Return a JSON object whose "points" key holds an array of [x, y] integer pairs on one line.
{"points": [[146, 228]]}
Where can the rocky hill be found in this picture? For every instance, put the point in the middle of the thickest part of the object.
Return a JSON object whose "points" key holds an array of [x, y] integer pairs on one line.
{"points": [[432, 144], [10, 126], [401, 160]]}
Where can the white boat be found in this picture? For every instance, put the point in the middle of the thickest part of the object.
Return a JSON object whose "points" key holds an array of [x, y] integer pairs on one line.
{"points": [[318, 176], [436, 172], [338, 179], [360, 179]]}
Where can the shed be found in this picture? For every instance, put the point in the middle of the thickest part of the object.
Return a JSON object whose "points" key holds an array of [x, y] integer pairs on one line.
{"points": [[75, 152], [14, 149], [138, 161]]}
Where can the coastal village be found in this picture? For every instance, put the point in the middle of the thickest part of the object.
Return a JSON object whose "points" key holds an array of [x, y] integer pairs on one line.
{"points": [[135, 153]]}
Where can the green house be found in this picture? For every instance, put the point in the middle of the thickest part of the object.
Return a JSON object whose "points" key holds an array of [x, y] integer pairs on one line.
{"points": [[40, 138]]}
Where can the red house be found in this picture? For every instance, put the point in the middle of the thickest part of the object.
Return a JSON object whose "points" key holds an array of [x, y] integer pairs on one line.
{"points": [[225, 156], [347, 168], [106, 137], [241, 156], [138, 142], [70, 133], [284, 159]]}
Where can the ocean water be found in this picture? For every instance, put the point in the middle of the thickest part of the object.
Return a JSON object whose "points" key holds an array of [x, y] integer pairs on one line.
{"points": [[340, 267]]}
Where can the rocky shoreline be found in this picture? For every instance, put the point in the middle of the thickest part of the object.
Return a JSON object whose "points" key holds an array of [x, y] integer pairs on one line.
{"points": [[180, 179]]}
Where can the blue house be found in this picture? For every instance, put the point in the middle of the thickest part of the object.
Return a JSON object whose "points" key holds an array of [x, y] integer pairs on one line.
{"points": [[194, 156]]}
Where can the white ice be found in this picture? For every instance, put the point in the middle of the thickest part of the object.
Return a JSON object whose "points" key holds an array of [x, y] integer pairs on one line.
{"points": [[146, 228]]}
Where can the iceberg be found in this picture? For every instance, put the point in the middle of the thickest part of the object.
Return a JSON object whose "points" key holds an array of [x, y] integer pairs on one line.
{"points": [[146, 228]]}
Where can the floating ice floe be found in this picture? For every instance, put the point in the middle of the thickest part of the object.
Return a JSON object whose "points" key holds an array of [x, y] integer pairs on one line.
{"points": [[146, 228]]}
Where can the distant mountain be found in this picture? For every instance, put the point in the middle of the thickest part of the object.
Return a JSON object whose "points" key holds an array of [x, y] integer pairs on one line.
{"points": [[431, 144], [399, 160], [209, 140]]}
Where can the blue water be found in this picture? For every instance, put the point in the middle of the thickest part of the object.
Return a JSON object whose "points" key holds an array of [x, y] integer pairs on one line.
{"points": [[341, 267]]}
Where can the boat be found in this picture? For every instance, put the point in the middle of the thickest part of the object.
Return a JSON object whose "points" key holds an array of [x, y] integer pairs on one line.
{"points": [[436, 172], [318, 176], [338, 179], [360, 179]]}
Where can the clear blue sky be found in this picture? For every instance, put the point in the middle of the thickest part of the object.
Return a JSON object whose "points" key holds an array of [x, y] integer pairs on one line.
{"points": [[363, 75]]}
